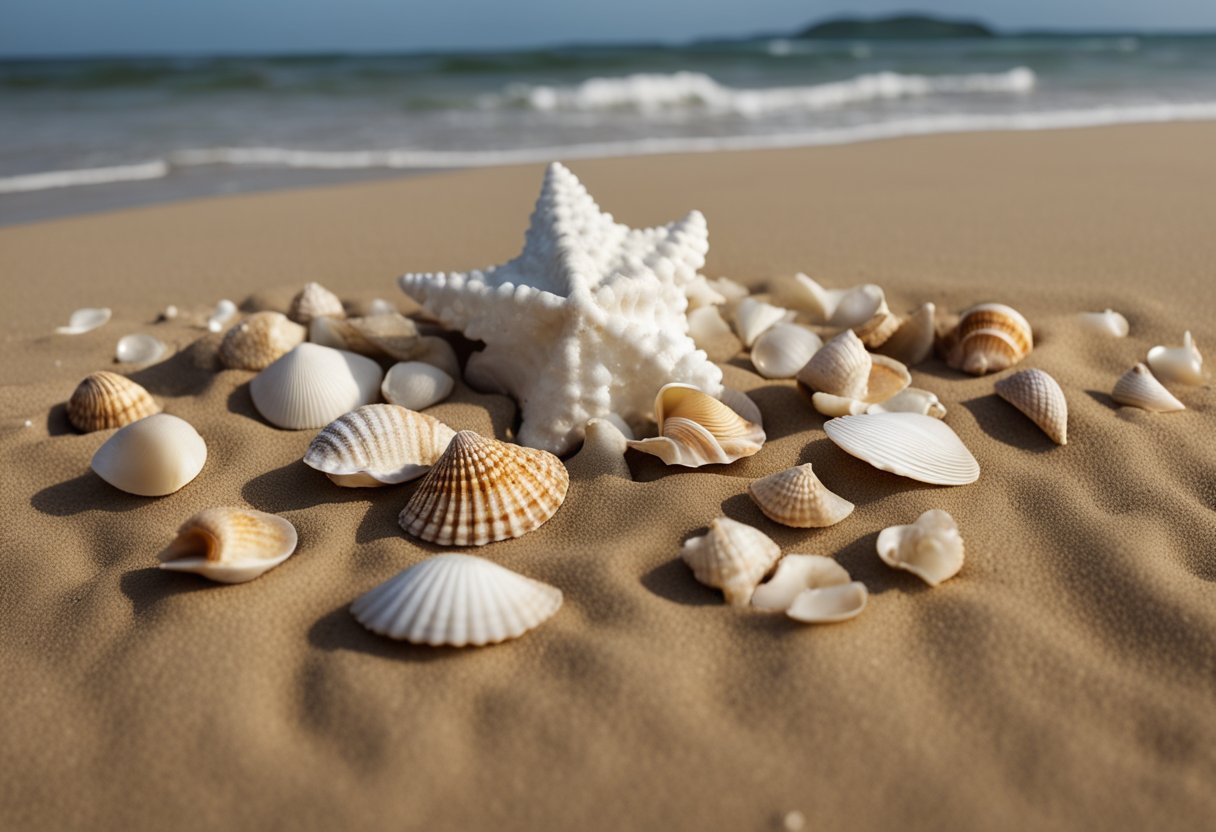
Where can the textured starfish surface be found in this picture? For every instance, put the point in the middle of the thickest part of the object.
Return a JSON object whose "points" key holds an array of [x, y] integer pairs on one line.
{"points": [[587, 322]]}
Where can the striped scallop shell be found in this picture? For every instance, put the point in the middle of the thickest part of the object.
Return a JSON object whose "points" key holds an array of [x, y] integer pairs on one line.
{"points": [[795, 497], [456, 600], [151, 457], [482, 490], [989, 337], [1138, 387], [1039, 396], [230, 545], [315, 301], [931, 548], [312, 385], [259, 340], [378, 444], [105, 400], [696, 429], [908, 444], [732, 557]]}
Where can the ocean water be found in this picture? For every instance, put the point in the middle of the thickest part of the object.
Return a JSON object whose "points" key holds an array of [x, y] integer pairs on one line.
{"points": [[87, 134]]}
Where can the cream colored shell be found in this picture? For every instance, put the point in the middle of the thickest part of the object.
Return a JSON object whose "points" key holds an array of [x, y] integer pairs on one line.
{"points": [[812, 589], [912, 342], [911, 400], [990, 337], [908, 444], [1039, 396], [1139, 388], [796, 497], [1183, 365], [378, 444], [754, 317], [315, 301], [931, 548], [152, 457], [843, 368], [732, 557], [230, 545], [416, 385], [829, 604], [259, 340], [696, 429], [1109, 323], [783, 350], [312, 385], [842, 308], [105, 400]]}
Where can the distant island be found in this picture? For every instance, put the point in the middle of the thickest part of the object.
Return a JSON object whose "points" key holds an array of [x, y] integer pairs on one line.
{"points": [[902, 26]]}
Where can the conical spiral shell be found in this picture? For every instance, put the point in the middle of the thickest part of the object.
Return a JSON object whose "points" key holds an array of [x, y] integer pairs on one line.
{"points": [[841, 367], [105, 400], [259, 340], [696, 429], [315, 301], [732, 557], [1039, 396], [990, 337], [1138, 387], [151, 457], [796, 497], [312, 385], [908, 444], [230, 545], [482, 490], [378, 444], [931, 548], [456, 600]]}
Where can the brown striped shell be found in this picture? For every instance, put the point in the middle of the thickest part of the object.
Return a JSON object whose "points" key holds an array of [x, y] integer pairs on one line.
{"points": [[230, 545], [989, 338], [105, 400], [378, 444]]}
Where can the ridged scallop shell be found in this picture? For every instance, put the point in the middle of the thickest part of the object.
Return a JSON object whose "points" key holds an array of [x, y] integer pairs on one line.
{"points": [[753, 317], [844, 308], [990, 337], [315, 301], [152, 457], [908, 444], [732, 557], [912, 342], [312, 385], [796, 497], [105, 400], [1183, 365], [259, 340], [911, 400], [783, 350], [879, 328], [84, 320], [230, 545], [378, 444], [456, 601], [1109, 323], [1039, 396], [416, 385], [482, 490], [840, 367], [829, 604], [794, 574], [139, 349], [1138, 387], [931, 548], [696, 429]]}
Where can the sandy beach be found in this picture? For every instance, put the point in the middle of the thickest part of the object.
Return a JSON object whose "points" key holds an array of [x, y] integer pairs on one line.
{"points": [[1064, 679]]}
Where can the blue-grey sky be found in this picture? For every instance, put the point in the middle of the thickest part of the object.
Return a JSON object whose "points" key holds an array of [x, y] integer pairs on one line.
{"points": [[68, 27]]}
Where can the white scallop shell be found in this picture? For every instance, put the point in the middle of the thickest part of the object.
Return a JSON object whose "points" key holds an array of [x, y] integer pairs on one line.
{"points": [[378, 444], [223, 313], [1139, 388], [795, 497], [732, 557], [794, 574], [829, 604], [456, 600], [416, 385], [783, 350], [230, 545], [931, 548], [910, 400], [844, 308], [312, 385], [908, 444], [753, 317], [696, 429], [83, 320], [152, 457], [1109, 323], [315, 301], [912, 343], [139, 349], [1183, 365], [1039, 396]]}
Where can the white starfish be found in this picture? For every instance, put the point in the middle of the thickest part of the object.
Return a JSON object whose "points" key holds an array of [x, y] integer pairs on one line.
{"points": [[587, 322]]}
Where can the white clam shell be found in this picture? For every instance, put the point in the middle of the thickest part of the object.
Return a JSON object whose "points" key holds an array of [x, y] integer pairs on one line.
{"points": [[829, 604], [230, 545], [732, 557], [794, 574], [795, 497], [753, 317], [910, 400], [912, 343], [312, 385], [139, 349], [1040, 397], [378, 444], [457, 601], [908, 444], [84, 320], [416, 385], [1139, 388], [696, 429], [931, 548], [1109, 323], [152, 457], [315, 301], [224, 311], [843, 308], [783, 350], [1182, 365]]}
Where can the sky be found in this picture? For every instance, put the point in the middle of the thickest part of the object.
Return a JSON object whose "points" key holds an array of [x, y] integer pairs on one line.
{"points": [[88, 27]]}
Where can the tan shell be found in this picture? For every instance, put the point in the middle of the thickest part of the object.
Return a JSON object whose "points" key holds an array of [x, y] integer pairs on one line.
{"points": [[732, 557], [911, 400], [392, 335], [378, 444], [989, 338], [912, 342], [878, 329], [315, 301], [256, 342], [1138, 387], [931, 548], [832, 406], [230, 545], [105, 400], [840, 367], [795, 497], [482, 490], [1039, 396], [696, 429]]}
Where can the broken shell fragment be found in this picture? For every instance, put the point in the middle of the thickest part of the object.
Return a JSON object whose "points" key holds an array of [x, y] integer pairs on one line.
{"points": [[378, 444], [783, 350], [753, 317], [931, 548], [152, 457], [795, 497], [829, 405], [844, 308], [912, 342], [1109, 323], [732, 557], [230, 545], [416, 385], [829, 604], [881, 326], [105, 400], [696, 429], [1182, 365], [84, 320], [1139, 388], [990, 337], [315, 301], [911, 400], [259, 340], [908, 444], [139, 349], [1039, 396], [794, 574], [312, 385]]}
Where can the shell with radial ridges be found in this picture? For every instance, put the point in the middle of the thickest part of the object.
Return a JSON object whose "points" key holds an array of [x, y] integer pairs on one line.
{"points": [[1040, 397], [989, 337], [230, 545], [696, 429], [797, 498], [732, 557], [312, 385], [259, 340], [378, 444], [105, 400], [315, 301], [908, 444], [1138, 387]]}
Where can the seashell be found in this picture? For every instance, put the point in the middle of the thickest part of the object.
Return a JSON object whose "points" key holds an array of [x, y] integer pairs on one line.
{"points": [[795, 497], [783, 350], [315, 301], [84, 320], [912, 342], [378, 444], [829, 604], [908, 444], [456, 600], [1109, 323], [380, 306], [230, 545], [731, 291], [1183, 365], [339, 334], [931, 548], [990, 337], [416, 385], [879, 328], [393, 335], [696, 429], [1139, 388], [1039, 396], [700, 294], [910, 400], [711, 333], [482, 490], [794, 574], [224, 311], [139, 349], [312, 385], [732, 557], [152, 457], [841, 367], [844, 308], [753, 317], [105, 400], [887, 379], [829, 405], [436, 351], [259, 340]]}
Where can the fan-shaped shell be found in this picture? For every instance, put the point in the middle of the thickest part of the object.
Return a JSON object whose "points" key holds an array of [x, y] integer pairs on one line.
{"points": [[259, 340], [753, 317], [230, 545], [152, 457], [457, 601], [796, 497], [696, 429], [990, 337], [1139, 388], [416, 385], [908, 444], [1109, 323], [910, 400], [378, 444], [482, 490], [84, 320], [844, 308], [840, 367], [912, 342], [783, 350], [139, 349], [794, 574], [312, 385], [732, 557], [931, 548], [105, 400], [315, 301], [829, 604], [1039, 396], [1183, 365]]}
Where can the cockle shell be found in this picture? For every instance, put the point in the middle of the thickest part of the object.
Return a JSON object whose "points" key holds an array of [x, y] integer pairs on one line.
{"points": [[1139, 388], [795, 497], [931, 548], [783, 350], [84, 320], [1183, 365], [152, 457], [1039, 396], [224, 311], [456, 600], [812, 589], [105, 400], [315, 301], [912, 342], [311, 386], [139, 349], [1109, 323], [908, 444], [842, 367], [844, 308], [732, 557], [259, 340], [696, 429], [416, 385], [990, 337], [482, 490], [230, 545], [754, 317], [378, 444], [911, 400]]}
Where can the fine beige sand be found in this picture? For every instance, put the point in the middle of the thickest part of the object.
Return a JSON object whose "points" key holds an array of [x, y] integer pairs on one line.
{"points": [[1064, 680]]}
